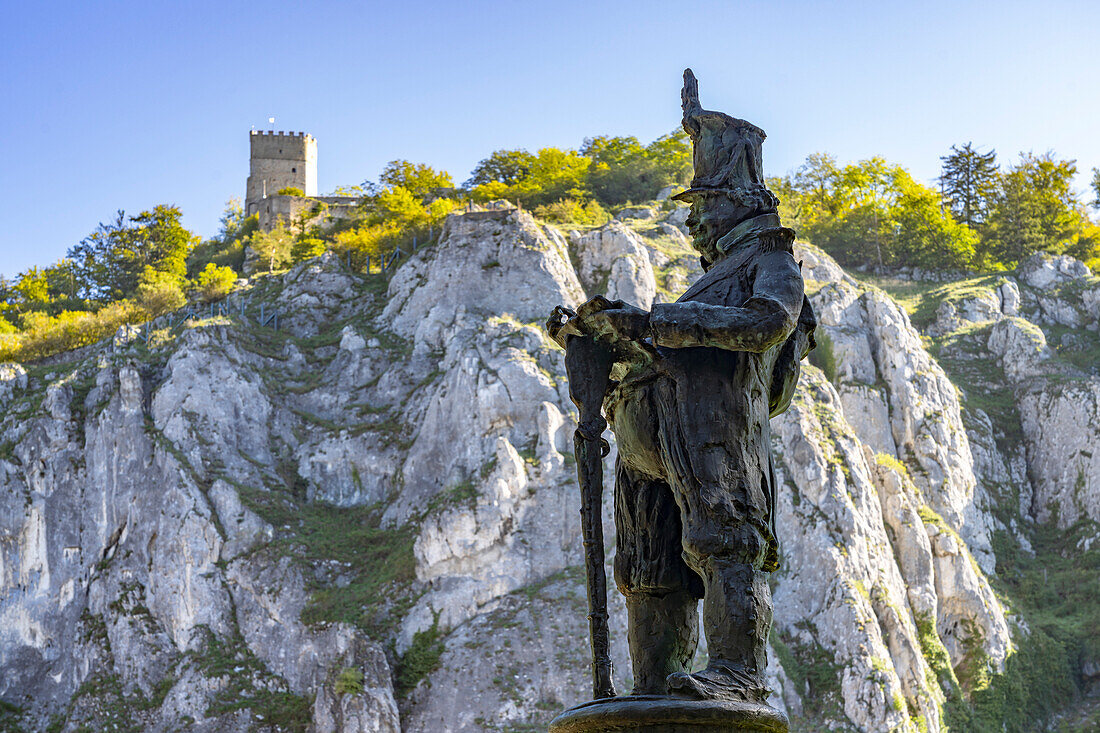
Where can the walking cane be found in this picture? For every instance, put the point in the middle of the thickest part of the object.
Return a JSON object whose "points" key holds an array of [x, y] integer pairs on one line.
{"points": [[588, 365]]}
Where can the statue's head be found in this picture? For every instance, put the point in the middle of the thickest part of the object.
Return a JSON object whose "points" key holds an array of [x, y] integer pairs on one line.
{"points": [[715, 212], [728, 184]]}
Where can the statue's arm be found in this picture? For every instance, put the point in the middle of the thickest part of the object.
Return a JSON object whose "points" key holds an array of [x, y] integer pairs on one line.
{"points": [[766, 319], [788, 362]]}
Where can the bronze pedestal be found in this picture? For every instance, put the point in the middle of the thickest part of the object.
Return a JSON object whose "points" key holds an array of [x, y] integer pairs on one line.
{"points": [[654, 714]]}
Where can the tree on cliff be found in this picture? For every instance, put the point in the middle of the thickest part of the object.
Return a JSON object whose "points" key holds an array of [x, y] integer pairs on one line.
{"points": [[624, 170], [873, 212], [1036, 209], [417, 178], [110, 262], [612, 170], [503, 166], [969, 182]]}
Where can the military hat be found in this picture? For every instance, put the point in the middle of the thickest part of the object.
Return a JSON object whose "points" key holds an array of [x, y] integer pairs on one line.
{"points": [[725, 151]]}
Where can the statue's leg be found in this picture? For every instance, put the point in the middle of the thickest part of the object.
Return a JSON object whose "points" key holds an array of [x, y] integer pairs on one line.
{"points": [[725, 539], [661, 591], [737, 615]]}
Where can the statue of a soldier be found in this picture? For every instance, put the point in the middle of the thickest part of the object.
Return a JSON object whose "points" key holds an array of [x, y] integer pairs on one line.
{"points": [[688, 389]]}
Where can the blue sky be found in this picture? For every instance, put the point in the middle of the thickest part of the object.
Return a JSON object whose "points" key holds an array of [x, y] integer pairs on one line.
{"points": [[124, 105]]}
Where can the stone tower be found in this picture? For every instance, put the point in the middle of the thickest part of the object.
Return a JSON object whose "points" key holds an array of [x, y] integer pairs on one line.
{"points": [[279, 160]]}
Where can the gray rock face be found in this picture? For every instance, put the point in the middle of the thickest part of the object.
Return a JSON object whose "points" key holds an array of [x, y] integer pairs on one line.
{"points": [[986, 306], [898, 399], [644, 213], [1042, 271], [1021, 348], [172, 517], [613, 260], [1009, 296], [1059, 423], [678, 218], [839, 574]]}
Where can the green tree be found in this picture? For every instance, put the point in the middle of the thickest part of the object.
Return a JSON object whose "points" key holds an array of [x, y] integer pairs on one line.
{"points": [[924, 234], [109, 263], [619, 170], [231, 221], [969, 181], [32, 290], [1036, 210], [872, 213], [215, 282], [417, 178], [227, 247], [272, 248], [502, 166], [624, 170], [554, 174], [847, 210], [159, 292], [1095, 203], [818, 181], [672, 153], [305, 248]]}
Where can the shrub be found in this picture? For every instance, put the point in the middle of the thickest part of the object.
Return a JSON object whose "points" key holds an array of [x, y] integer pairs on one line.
{"points": [[290, 191], [307, 247], [272, 248], [159, 292], [369, 240], [571, 211], [215, 282], [44, 335], [824, 357], [420, 660], [349, 681]]}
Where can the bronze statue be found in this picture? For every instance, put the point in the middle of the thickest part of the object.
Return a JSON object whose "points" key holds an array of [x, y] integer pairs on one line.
{"points": [[688, 389]]}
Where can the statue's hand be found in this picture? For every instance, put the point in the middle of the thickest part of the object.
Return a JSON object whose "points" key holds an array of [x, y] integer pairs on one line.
{"points": [[621, 322], [557, 320]]}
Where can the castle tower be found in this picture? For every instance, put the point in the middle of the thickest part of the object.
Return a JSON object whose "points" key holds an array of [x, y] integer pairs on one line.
{"points": [[279, 160]]}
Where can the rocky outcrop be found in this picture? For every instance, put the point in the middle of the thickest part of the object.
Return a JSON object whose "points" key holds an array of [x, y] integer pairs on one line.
{"points": [[1052, 389], [1042, 271], [613, 261], [840, 588], [1021, 348], [898, 399], [367, 519], [1059, 423]]}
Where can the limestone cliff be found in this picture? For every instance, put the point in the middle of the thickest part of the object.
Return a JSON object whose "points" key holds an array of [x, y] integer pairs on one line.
{"points": [[366, 519]]}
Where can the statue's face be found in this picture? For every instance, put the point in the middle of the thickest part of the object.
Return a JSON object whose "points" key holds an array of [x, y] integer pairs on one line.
{"points": [[712, 217]]}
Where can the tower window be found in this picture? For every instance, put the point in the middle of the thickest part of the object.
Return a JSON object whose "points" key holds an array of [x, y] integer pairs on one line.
{"points": [[293, 170]]}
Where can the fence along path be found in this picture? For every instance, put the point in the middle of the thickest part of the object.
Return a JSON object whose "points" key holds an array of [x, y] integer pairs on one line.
{"points": [[264, 316], [386, 260]]}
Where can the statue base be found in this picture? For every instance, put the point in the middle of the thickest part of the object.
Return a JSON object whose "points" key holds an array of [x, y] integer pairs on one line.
{"points": [[656, 714]]}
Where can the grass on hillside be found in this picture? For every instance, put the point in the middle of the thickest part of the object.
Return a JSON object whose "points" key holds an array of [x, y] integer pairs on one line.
{"points": [[1054, 591], [920, 299]]}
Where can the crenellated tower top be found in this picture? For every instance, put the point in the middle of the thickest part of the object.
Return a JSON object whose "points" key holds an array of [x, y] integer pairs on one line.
{"points": [[279, 160]]}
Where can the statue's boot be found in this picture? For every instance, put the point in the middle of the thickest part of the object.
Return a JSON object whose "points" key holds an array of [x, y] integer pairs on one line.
{"points": [[737, 615], [663, 636]]}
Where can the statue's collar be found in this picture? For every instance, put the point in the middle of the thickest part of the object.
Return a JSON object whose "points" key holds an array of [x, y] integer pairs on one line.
{"points": [[746, 231]]}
